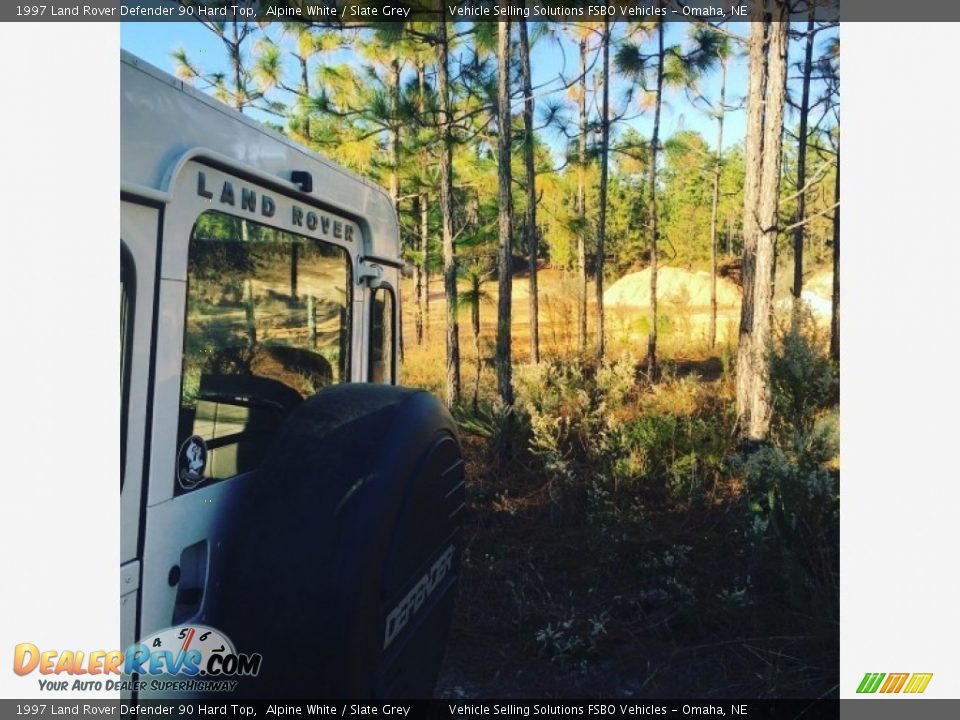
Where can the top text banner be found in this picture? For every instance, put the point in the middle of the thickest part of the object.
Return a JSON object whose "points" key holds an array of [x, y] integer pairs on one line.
{"points": [[370, 12]]}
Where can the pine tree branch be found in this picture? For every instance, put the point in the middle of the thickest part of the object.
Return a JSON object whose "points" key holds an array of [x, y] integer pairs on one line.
{"points": [[807, 219]]}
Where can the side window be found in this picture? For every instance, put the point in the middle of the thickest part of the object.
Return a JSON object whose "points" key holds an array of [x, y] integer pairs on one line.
{"points": [[127, 293], [268, 324], [382, 336]]}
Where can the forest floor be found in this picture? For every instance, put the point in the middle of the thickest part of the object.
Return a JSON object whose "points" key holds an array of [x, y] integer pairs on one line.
{"points": [[527, 572], [550, 605]]}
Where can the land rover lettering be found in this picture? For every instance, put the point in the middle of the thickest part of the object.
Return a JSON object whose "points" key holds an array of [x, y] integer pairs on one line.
{"points": [[228, 192]]}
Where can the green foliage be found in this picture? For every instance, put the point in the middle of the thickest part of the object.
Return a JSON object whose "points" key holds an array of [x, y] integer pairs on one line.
{"points": [[803, 379], [626, 245], [820, 190], [561, 408], [687, 193], [493, 421], [572, 639], [572, 414], [792, 484], [591, 423], [614, 451], [730, 206], [679, 445]]}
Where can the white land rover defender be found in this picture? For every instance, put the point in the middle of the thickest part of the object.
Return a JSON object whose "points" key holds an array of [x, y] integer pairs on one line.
{"points": [[276, 483]]}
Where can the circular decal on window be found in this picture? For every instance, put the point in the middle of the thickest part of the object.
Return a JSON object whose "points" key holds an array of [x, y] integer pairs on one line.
{"points": [[191, 462]]}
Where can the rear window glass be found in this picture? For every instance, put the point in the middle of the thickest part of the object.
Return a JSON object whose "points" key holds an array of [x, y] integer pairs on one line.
{"points": [[267, 325], [382, 337]]}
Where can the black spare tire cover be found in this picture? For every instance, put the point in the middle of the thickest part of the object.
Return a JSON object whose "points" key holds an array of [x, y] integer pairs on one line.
{"points": [[343, 556]]}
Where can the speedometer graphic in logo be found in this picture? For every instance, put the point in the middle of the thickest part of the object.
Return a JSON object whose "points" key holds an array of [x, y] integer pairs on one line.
{"points": [[184, 650], [191, 651], [207, 640]]}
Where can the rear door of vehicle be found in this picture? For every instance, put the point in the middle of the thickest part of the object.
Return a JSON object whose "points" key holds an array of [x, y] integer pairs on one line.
{"points": [[210, 421]]}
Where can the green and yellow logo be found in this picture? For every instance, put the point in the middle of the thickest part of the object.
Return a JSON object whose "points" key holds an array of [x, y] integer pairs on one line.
{"points": [[894, 683]]}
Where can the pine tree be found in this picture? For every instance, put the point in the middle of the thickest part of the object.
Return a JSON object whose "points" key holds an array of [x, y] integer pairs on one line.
{"points": [[505, 220]]}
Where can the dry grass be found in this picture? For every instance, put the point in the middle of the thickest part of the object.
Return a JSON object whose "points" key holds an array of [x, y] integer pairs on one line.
{"points": [[682, 330], [567, 593]]}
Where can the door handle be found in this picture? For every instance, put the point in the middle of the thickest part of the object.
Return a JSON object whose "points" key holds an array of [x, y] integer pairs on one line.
{"points": [[190, 578]]}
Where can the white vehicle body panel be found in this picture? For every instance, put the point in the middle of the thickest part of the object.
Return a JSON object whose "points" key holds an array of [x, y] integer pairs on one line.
{"points": [[170, 134], [163, 122]]}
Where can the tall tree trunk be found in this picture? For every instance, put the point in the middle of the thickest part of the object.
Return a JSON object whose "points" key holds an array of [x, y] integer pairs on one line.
{"points": [[757, 59], [423, 301], [239, 90], [835, 310], [798, 231], [249, 303], [714, 207], [418, 280], [249, 299], [393, 143], [305, 92], [530, 223], [582, 206], [294, 260], [475, 326], [769, 219], [604, 164], [504, 383], [393, 132], [446, 215], [757, 410], [311, 322], [423, 293], [654, 220]]}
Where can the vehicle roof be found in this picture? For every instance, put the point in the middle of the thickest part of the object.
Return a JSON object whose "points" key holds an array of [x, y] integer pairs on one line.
{"points": [[164, 121]]}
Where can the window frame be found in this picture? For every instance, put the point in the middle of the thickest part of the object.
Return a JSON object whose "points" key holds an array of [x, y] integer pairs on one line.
{"points": [[346, 359]]}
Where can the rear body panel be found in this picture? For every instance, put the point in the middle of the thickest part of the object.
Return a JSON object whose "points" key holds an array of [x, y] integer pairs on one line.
{"points": [[183, 154]]}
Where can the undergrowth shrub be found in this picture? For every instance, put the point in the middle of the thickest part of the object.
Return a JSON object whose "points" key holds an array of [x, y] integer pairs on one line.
{"points": [[567, 407], [598, 433], [792, 486], [570, 641]]}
